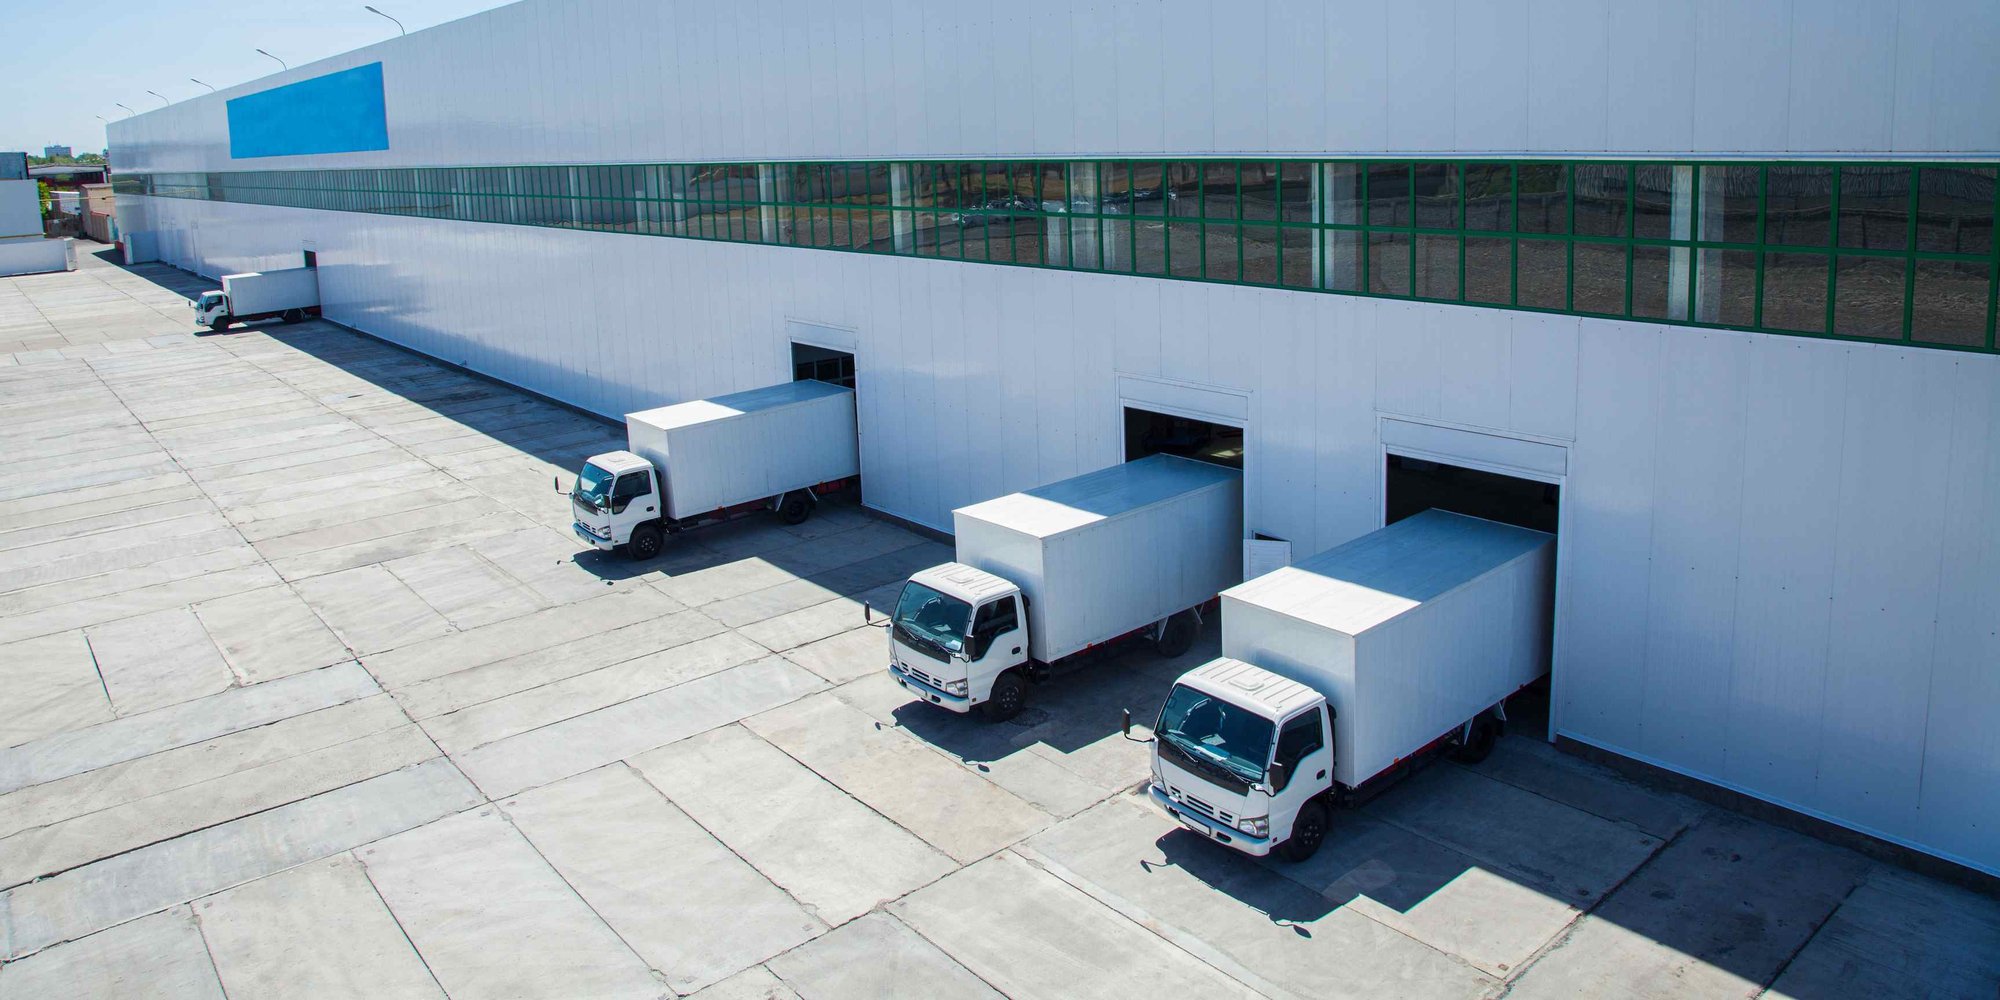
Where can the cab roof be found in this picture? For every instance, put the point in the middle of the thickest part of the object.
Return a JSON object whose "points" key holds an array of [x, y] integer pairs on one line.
{"points": [[1250, 686], [617, 462], [973, 585]]}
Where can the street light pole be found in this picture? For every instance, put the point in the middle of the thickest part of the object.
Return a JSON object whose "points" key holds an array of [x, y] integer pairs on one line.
{"points": [[128, 111], [267, 55], [399, 24], [163, 100], [193, 80]]}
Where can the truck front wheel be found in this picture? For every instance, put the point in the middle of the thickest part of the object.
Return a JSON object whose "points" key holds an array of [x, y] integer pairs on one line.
{"points": [[1010, 695], [218, 324], [1308, 832], [645, 543], [1178, 634]]}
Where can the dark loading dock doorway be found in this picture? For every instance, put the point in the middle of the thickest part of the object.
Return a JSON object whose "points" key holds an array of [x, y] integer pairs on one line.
{"points": [[823, 364], [1150, 433], [1416, 485]]}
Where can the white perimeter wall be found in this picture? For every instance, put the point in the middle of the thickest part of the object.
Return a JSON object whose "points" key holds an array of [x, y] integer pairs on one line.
{"points": [[1781, 555]]}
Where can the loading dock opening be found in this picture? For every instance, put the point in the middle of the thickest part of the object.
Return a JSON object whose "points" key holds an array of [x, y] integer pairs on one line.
{"points": [[1416, 485], [811, 362], [1151, 433]]}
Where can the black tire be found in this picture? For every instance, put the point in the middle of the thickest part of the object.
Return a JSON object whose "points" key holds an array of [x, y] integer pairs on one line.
{"points": [[219, 325], [795, 507], [645, 543], [294, 316], [1179, 634], [1009, 696], [1477, 744], [1308, 832]]}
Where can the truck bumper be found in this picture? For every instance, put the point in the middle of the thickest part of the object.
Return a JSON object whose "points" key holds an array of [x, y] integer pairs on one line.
{"points": [[925, 692], [602, 544], [1227, 835]]}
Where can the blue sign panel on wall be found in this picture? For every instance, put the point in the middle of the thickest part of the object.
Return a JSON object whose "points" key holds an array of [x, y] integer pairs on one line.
{"points": [[337, 113]]}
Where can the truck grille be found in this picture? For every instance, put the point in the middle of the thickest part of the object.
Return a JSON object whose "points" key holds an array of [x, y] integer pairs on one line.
{"points": [[1202, 807], [924, 677]]}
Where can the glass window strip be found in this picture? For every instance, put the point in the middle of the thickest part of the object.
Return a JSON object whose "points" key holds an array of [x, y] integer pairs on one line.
{"points": [[730, 202]]}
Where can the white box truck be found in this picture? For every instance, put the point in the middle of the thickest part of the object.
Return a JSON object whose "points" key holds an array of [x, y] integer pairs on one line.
{"points": [[776, 448], [1041, 576], [291, 294], [1337, 670]]}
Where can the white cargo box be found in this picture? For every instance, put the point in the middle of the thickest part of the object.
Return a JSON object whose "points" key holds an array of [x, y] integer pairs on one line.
{"points": [[257, 292], [715, 453], [1407, 631], [1110, 551]]}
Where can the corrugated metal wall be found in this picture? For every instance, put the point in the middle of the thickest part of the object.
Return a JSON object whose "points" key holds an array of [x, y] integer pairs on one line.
{"points": [[1781, 555]]}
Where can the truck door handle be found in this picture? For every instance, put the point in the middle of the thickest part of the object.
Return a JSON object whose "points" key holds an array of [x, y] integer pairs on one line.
{"points": [[649, 510], [1321, 774], [1017, 649]]}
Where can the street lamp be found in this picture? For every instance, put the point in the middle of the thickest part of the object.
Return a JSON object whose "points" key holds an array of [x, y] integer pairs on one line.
{"points": [[163, 100], [399, 24], [128, 111], [193, 80], [267, 55]]}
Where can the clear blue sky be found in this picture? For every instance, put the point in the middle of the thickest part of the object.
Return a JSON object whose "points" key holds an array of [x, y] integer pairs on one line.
{"points": [[66, 63]]}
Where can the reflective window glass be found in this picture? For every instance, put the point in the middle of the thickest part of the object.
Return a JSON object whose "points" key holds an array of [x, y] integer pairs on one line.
{"points": [[1299, 250], [1726, 287], [1798, 206], [1949, 304], [1296, 192], [1729, 204], [1795, 292], [1660, 282], [1489, 200], [1542, 205], [1599, 277], [1436, 190], [1260, 254], [1342, 260], [1875, 208], [1342, 196], [1258, 190], [1868, 294], [1388, 194], [1389, 263], [1955, 210], [1437, 267], [1600, 202], [1542, 274], [1489, 269]]}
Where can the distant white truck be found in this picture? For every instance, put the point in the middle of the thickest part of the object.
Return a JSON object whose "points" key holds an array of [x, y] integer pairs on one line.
{"points": [[1041, 576], [1335, 671], [778, 448], [291, 294]]}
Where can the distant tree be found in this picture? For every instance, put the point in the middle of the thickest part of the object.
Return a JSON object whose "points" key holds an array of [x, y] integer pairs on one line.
{"points": [[42, 189]]}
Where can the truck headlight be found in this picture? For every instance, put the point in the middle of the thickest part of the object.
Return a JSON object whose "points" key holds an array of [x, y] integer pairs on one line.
{"points": [[1255, 826], [955, 688]]}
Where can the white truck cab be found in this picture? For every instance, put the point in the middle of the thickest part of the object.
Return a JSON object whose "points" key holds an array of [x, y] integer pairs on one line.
{"points": [[616, 493], [1239, 754], [955, 630]]}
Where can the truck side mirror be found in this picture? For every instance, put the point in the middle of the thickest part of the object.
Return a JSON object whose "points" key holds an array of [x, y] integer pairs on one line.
{"points": [[1274, 777], [556, 481], [867, 613], [1125, 722]]}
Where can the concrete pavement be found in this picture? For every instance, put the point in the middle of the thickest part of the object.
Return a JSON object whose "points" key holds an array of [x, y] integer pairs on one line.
{"points": [[310, 692]]}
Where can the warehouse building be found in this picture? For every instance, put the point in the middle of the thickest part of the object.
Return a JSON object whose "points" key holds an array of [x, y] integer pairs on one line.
{"points": [[1707, 289]]}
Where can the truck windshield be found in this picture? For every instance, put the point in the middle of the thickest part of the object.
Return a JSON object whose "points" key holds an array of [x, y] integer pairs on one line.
{"points": [[593, 485], [925, 617], [1214, 734]]}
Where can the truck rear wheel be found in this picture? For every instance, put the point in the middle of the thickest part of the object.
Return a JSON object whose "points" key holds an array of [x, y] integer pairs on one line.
{"points": [[1010, 695], [1308, 832], [294, 316], [645, 543], [1178, 634], [795, 507], [1475, 745]]}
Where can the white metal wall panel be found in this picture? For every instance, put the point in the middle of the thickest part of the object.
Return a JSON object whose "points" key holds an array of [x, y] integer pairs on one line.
{"points": [[1743, 53], [1569, 74], [1843, 54], [1650, 105]]}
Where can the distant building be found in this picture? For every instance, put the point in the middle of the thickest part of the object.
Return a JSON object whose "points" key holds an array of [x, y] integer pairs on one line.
{"points": [[68, 176], [51, 152]]}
